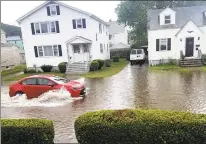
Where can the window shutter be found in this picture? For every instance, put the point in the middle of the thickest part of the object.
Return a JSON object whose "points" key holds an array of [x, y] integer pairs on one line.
{"points": [[48, 11], [157, 44], [57, 26], [60, 50], [35, 51], [74, 24], [169, 44], [32, 29], [58, 10], [84, 23]]}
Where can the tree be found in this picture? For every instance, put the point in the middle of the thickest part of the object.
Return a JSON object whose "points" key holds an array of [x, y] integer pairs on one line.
{"points": [[11, 30], [134, 15]]}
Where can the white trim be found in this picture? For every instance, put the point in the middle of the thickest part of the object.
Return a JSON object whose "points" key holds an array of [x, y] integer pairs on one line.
{"points": [[160, 44], [48, 27], [79, 37], [42, 46], [53, 5], [167, 19]]}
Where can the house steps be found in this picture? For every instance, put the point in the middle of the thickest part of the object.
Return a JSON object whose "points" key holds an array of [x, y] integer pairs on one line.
{"points": [[191, 63], [78, 68]]}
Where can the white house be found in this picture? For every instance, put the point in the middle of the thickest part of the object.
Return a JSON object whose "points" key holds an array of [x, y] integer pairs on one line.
{"points": [[3, 37], [55, 32], [118, 35], [175, 30]]}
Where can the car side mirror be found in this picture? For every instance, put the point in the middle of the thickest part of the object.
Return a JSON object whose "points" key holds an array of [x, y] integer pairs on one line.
{"points": [[50, 84]]}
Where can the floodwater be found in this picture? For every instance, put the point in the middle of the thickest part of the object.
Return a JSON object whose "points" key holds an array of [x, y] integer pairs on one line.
{"points": [[133, 87]]}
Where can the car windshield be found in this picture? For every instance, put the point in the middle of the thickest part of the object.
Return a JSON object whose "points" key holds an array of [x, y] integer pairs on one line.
{"points": [[133, 51], [59, 80], [139, 51]]}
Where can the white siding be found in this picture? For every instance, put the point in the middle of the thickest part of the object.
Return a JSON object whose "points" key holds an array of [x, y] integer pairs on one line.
{"points": [[66, 32], [167, 11]]}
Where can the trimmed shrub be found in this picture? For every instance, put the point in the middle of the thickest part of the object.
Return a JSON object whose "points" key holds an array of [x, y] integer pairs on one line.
{"points": [[115, 58], [204, 59], [29, 71], [33, 131], [62, 67], [101, 63], [140, 127], [108, 63], [46, 68], [94, 65]]}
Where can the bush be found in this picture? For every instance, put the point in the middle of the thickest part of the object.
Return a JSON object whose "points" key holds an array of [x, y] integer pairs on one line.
{"points": [[115, 58], [62, 67], [108, 63], [204, 59], [46, 68], [29, 71], [33, 131], [94, 65], [140, 127], [101, 63]]}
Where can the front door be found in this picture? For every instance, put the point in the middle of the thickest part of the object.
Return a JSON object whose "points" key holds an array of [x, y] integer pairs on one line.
{"points": [[77, 56], [85, 49], [189, 47]]}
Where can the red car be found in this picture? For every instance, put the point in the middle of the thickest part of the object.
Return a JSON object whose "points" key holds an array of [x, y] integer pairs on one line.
{"points": [[36, 85]]}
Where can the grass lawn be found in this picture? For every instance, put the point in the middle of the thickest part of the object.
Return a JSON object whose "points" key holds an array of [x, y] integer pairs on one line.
{"points": [[177, 68], [16, 78], [107, 71], [14, 70]]}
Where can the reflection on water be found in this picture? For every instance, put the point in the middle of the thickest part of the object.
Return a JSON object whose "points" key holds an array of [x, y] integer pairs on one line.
{"points": [[134, 87]]}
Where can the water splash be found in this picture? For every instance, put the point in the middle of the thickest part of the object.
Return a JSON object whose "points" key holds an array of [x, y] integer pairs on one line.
{"points": [[51, 98]]}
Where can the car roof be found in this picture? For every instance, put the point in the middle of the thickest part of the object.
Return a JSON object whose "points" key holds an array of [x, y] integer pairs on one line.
{"points": [[41, 76]]}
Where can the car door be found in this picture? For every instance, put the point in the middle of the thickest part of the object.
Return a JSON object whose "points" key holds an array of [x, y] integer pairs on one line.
{"points": [[30, 87], [44, 85]]}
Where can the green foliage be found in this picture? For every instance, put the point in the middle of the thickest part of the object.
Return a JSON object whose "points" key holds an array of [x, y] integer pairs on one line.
{"points": [[134, 15], [29, 70], [115, 58], [62, 67], [27, 131], [101, 63], [204, 59], [121, 53], [94, 65], [11, 30], [171, 62], [46, 68], [140, 127], [108, 62], [14, 70]]}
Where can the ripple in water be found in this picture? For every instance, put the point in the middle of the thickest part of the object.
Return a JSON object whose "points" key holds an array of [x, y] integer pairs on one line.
{"points": [[51, 98]]}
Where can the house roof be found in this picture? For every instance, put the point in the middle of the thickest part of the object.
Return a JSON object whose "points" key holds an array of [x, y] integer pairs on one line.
{"points": [[13, 38], [183, 15], [120, 46], [82, 39], [62, 4], [115, 27]]}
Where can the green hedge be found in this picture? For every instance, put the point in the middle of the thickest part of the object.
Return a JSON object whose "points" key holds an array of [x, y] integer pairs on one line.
{"points": [[27, 131], [140, 127], [101, 63], [62, 67], [46, 68], [108, 62], [94, 65], [115, 58]]}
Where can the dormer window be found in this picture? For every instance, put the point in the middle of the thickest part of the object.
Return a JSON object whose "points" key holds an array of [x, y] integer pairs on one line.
{"points": [[167, 19]]}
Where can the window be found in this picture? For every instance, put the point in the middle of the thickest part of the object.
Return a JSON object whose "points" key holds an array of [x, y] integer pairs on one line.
{"points": [[51, 50], [101, 48], [37, 28], [79, 23], [31, 81], [163, 44], [40, 51], [139, 51], [43, 81], [133, 51], [85, 48], [76, 48], [52, 27], [45, 27], [100, 28], [53, 10], [56, 51], [110, 37], [167, 19]]}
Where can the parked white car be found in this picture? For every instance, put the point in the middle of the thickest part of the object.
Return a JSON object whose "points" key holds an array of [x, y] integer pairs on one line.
{"points": [[137, 55]]}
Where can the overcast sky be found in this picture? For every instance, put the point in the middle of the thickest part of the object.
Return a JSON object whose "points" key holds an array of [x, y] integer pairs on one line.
{"points": [[12, 10]]}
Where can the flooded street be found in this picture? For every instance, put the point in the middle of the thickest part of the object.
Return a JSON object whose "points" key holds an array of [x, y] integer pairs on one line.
{"points": [[133, 87]]}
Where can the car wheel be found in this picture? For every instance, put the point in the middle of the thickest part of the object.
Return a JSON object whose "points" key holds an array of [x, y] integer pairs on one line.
{"points": [[19, 93]]}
